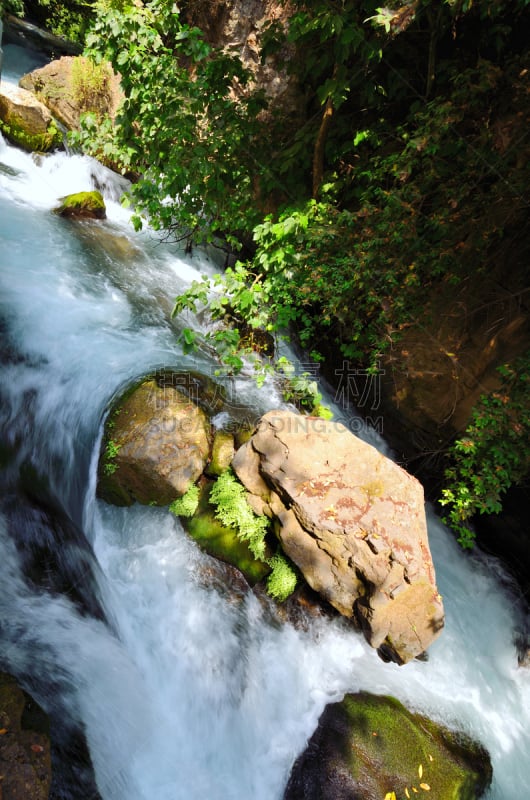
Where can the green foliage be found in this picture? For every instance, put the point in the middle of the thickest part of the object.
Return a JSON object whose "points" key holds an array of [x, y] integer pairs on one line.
{"points": [[493, 454], [180, 127], [97, 136], [15, 7], [69, 19], [187, 505], [357, 276], [229, 498], [312, 274], [283, 579], [233, 510], [111, 451], [302, 390]]}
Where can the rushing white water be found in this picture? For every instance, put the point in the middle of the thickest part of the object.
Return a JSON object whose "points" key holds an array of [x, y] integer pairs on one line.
{"points": [[188, 691]]}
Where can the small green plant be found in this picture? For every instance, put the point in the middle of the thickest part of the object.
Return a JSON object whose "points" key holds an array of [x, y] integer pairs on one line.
{"points": [[111, 451], [187, 505], [283, 579], [229, 498], [302, 390], [15, 7], [232, 509], [493, 454]]}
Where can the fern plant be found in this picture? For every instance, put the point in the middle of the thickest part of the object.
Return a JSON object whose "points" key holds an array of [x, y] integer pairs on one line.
{"points": [[283, 579], [187, 505], [232, 509], [229, 498]]}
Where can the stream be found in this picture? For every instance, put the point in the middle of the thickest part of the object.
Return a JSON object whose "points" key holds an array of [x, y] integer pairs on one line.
{"points": [[180, 691]]}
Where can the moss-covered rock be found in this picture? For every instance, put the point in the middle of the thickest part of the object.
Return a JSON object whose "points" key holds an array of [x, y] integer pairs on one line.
{"points": [[222, 453], [222, 542], [26, 122], [156, 444], [367, 747], [82, 205], [25, 764]]}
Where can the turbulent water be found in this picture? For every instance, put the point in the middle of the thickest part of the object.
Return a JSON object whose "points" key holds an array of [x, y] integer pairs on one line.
{"points": [[182, 690]]}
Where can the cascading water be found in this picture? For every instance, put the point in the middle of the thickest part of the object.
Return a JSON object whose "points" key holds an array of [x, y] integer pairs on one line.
{"points": [[182, 690]]}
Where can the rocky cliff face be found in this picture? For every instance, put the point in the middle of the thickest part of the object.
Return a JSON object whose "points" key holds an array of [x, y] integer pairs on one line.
{"points": [[238, 25]]}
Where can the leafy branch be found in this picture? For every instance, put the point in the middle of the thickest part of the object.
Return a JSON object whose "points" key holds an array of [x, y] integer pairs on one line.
{"points": [[494, 453]]}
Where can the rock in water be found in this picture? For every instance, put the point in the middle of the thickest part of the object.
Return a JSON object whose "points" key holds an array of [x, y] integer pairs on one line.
{"points": [[157, 443], [82, 205], [353, 522], [25, 764], [370, 747], [26, 122]]}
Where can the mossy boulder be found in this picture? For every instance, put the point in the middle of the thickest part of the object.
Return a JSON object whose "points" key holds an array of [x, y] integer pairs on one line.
{"points": [[82, 205], [220, 541], [25, 763], [223, 450], [368, 746], [156, 444], [26, 122]]}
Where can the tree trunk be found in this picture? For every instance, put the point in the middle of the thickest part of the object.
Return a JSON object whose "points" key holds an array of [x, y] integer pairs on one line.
{"points": [[320, 145]]}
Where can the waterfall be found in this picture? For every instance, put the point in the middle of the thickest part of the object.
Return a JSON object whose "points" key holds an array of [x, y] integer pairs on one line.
{"points": [[183, 689]]}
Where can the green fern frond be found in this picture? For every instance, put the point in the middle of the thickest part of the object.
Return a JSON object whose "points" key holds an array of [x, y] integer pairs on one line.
{"points": [[187, 505], [283, 579], [232, 509]]}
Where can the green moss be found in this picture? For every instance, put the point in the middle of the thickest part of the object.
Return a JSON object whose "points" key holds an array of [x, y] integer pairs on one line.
{"points": [[402, 750], [82, 204], [32, 142], [222, 453]]}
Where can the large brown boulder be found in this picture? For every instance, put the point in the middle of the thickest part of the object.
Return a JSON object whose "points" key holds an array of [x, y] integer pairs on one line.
{"points": [[156, 444], [352, 521], [70, 86], [25, 764], [369, 747], [26, 122]]}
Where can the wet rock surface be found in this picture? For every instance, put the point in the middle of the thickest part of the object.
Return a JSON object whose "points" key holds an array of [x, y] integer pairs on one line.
{"points": [[367, 747], [25, 763]]}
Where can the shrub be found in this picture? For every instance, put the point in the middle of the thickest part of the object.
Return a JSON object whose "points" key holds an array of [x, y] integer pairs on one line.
{"points": [[493, 454]]}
